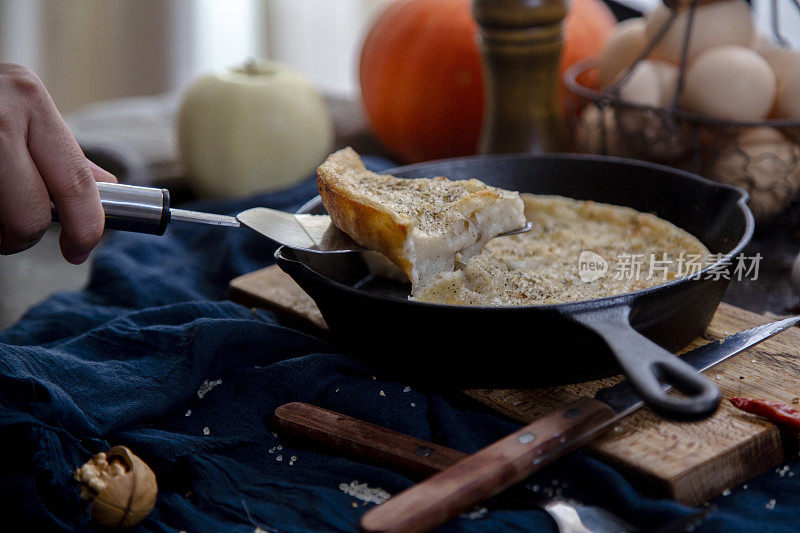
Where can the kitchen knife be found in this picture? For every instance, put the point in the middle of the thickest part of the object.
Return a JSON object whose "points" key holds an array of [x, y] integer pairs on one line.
{"points": [[480, 476], [148, 210]]}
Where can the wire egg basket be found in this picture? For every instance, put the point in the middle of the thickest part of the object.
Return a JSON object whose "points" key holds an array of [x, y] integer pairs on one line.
{"points": [[762, 157]]}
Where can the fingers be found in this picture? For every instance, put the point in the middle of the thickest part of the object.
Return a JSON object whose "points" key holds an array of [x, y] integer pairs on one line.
{"points": [[69, 178], [100, 174], [24, 202]]}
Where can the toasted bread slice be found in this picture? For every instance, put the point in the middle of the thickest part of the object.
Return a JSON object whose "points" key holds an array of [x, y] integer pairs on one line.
{"points": [[419, 224]]}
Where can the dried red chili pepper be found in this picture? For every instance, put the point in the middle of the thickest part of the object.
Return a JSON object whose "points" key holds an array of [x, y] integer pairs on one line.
{"points": [[778, 412]]}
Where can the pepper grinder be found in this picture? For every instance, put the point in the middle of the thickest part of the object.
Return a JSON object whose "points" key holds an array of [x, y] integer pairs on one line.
{"points": [[521, 41]]}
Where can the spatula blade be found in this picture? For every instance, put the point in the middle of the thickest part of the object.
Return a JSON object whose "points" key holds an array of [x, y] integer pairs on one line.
{"points": [[315, 233]]}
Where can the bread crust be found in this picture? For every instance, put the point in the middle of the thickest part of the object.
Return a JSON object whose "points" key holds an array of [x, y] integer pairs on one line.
{"points": [[368, 225], [420, 225]]}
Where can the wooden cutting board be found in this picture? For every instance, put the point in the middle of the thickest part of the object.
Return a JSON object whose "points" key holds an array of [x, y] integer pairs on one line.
{"points": [[687, 462]]}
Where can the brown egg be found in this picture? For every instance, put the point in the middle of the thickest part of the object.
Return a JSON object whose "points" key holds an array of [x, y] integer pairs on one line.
{"points": [[782, 60], [787, 104], [731, 83], [596, 132], [649, 133], [715, 24], [763, 162], [652, 83], [621, 50]]}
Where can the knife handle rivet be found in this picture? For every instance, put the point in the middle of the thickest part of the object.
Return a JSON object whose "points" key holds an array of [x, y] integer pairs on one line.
{"points": [[423, 451], [525, 438], [572, 413]]}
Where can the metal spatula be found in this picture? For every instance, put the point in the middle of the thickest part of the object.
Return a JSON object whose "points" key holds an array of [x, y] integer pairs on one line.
{"points": [[147, 210]]}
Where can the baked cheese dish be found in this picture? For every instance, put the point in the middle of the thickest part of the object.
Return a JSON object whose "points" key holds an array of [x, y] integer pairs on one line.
{"points": [[440, 235], [542, 266], [421, 225]]}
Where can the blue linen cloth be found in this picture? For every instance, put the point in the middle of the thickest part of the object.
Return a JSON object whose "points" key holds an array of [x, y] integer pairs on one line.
{"points": [[122, 361]]}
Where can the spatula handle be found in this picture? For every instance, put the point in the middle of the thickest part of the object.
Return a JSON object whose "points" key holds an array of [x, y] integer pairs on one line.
{"points": [[480, 476], [361, 439], [133, 208]]}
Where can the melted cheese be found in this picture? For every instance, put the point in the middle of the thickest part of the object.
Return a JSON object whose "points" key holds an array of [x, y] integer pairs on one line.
{"points": [[542, 266]]}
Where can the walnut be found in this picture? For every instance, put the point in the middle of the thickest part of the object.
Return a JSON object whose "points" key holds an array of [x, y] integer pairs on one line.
{"points": [[120, 487]]}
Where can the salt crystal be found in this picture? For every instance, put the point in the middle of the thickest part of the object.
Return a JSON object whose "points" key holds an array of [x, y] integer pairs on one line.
{"points": [[744, 487], [206, 387], [719, 376], [272, 450], [726, 492], [274, 434], [293, 458], [413, 404], [770, 505], [279, 458], [618, 429], [279, 447], [407, 389], [188, 412], [374, 378], [355, 505], [206, 431], [383, 393], [337, 389], [364, 493], [535, 488], [753, 361]]}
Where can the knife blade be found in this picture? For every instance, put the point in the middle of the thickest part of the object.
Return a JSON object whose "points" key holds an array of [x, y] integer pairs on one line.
{"points": [[487, 472]]}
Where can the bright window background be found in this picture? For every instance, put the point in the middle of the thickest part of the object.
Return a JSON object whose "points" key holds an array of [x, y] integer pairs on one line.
{"points": [[90, 50], [224, 32]]}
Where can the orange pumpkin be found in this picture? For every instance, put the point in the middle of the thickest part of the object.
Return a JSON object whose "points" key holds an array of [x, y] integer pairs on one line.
{"points": [[422, 79]]}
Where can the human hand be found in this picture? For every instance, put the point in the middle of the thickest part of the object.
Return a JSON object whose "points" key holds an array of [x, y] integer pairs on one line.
{"points": [[40, 161]]}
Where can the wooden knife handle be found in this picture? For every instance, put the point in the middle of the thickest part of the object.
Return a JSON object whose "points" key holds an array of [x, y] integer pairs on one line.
{"points": [[363, 440], [480, 476]]}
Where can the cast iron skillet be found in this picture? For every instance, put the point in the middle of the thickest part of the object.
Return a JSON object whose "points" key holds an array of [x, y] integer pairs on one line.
{"points": [[547, 344]]}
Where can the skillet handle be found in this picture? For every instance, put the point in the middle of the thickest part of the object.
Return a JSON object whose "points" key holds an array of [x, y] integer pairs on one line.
{"points": [[649, 367]]}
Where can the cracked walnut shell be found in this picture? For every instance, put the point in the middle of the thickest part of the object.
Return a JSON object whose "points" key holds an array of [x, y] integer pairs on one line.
{"points": [[121, 487]]}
